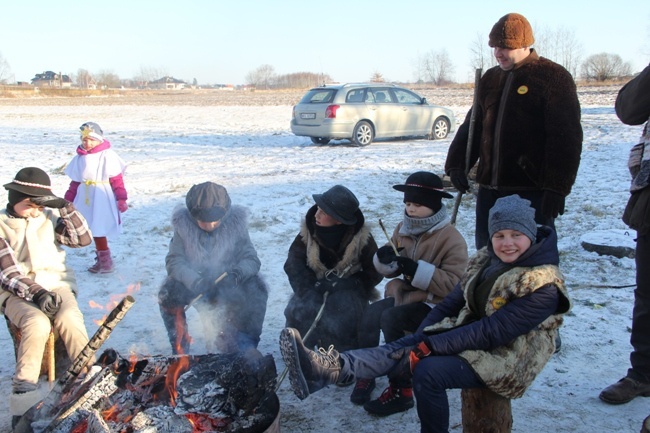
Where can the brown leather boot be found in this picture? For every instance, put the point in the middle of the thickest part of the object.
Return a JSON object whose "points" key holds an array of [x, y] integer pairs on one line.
{"points": [[103, 263]]}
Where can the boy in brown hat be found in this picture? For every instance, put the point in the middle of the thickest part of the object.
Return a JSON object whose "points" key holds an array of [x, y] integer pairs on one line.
{"points": [[213, 266], [38, 288], [432, 257], [332, 254], [527, 137]]}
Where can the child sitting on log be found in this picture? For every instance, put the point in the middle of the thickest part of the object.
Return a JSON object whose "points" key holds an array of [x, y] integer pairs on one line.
{"points": [[496, 330]]}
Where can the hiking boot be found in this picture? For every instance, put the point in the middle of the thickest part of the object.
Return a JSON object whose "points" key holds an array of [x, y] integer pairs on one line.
{"points": [[309, 371], [103, 263], [362, 391], [392, 400], [624, 390]]}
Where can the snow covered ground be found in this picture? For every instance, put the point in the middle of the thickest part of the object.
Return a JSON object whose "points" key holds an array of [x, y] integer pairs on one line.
{"points": [[251, 151]]}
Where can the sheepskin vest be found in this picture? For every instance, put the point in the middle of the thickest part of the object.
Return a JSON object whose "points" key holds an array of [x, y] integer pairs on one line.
{"points": [[510, 369]]}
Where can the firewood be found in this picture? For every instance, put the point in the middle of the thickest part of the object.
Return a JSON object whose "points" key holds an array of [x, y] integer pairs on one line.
{"points": [[484, 411]]}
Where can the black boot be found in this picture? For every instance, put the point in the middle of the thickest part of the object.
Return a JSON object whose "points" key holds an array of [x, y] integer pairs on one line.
{"points": [[176, 325], [309, 371]]}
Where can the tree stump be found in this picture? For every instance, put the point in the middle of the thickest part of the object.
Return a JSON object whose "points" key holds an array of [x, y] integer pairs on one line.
{"points": [[484, 411], [645, 428]]}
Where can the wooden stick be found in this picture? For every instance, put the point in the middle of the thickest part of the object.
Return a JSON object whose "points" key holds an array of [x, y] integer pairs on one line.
{"points": [[221, 277], [390, 241], [51, 367]]}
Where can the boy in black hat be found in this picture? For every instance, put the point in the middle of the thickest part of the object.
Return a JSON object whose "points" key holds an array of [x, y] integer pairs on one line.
{"points": [[38, 288], [432, 257], [332, 254], [212, 265]]}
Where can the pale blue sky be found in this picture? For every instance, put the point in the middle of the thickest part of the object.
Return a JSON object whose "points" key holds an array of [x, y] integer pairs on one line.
{"points": [[222, 41]]}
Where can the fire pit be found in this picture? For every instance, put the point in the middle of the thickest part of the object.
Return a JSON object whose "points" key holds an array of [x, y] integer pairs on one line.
{"points": [[203, 393]]}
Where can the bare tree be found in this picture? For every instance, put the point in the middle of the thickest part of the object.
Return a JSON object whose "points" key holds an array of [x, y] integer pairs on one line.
{"points": [[377, 77], [107, 79], [561, 46], [84, 79], [300, 80], [261, 77], [438, 67], [5, 70], [482, 57], [148, 74], [605, 66]]}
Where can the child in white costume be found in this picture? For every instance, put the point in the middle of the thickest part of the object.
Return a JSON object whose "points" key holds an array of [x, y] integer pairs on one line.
{"points": [[97, 190]]}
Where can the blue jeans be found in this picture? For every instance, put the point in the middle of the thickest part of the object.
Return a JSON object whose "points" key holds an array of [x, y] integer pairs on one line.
{"points": [[432, 377]]}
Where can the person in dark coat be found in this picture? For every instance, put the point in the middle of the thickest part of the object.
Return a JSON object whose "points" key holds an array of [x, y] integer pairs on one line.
{"points": [[332, 255], [527, 137], [633, 108], [495, 330], [213, 265]]}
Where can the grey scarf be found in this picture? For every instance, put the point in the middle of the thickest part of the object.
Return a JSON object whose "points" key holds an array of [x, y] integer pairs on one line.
{"points": [[417, 226]]}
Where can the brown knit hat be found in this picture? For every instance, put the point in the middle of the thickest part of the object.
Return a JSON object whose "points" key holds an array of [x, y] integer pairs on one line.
{"points": [[512, 31]]}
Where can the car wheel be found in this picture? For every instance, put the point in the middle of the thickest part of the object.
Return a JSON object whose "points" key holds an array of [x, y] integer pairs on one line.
{"points": [[363, 134], [440, 129], [320, 140]]}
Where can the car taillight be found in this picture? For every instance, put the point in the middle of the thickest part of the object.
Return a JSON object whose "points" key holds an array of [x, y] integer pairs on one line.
{"points": [[330, 112]]}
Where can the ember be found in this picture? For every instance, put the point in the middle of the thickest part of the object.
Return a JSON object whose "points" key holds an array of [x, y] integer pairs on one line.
{"points": [[193, 394]]}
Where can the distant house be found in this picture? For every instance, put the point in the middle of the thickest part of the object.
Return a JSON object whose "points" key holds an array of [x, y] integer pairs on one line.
{"points": [[51, 79], [167, 83]]}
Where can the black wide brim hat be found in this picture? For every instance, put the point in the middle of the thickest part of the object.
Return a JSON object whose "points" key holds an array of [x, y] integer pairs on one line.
{"points": [[424, 183], [32, 182]]}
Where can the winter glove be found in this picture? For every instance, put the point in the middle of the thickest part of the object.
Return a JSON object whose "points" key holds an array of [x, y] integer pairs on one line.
{"points": [[51, 201], [232, 280], [386, 254], [459, 180], [122, 206], [422, 350], [552, 204], [408, 266], [48, 302]]}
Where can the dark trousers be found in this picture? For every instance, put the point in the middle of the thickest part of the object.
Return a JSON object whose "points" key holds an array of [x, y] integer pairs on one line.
{"points": [[486, 199], [640, 339], [433, 375]]}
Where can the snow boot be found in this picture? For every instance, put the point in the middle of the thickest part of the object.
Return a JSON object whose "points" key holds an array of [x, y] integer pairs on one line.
{"points": [[309, 371], [103, 263], [393, 400], [362, 391]]}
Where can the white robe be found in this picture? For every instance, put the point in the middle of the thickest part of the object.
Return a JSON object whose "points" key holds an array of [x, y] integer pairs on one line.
{"points": [[95, 198]]}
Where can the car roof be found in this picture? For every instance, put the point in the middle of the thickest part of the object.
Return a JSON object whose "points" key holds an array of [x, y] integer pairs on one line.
{"points": [[345, 85]]}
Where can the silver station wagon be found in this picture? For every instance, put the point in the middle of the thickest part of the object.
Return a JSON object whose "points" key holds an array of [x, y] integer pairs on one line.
{"points": [[366, 111]]}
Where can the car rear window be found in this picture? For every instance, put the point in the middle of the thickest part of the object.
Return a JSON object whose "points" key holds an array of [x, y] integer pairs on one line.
{"points": [[318, 96]]}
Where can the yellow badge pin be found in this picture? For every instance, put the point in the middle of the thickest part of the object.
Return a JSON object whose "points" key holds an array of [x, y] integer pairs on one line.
{"points": [[498, 302]]}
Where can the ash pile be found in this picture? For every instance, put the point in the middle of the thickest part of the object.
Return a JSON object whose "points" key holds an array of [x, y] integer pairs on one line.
{"points": [[181, 394]]}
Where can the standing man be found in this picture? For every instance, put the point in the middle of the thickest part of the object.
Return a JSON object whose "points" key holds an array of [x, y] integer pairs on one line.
{"points": [[527, 137], [633, 108]]}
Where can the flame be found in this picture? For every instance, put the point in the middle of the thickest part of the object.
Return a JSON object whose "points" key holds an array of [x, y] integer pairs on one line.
{"points": [[203, 423], [81, 427], [181, 331], [110, 414], [173, 372], [113, 301]]}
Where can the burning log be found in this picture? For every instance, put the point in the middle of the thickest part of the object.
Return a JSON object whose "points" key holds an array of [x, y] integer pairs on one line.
{"points": [[205, 393], [46, 408]]}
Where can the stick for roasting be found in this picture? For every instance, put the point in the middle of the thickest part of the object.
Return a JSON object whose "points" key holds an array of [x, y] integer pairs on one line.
{"points": [[221, 277], [381, 224], [311, 328], [470, 139], [64, 383]]}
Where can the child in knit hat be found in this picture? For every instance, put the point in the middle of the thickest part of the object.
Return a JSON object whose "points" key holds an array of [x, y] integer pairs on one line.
{"points": [[495, 330], [38, 287], [329, 265], [213, 266], [97, 190], [432, 258]]}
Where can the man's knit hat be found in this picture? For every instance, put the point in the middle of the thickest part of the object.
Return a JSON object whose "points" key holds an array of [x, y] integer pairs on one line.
{"points": [[339, 203], [208, 202], [512, 31], [92, 130], [513, 213], [424, 188]]}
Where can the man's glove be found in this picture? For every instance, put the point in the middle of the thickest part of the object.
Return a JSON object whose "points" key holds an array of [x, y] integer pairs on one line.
{"points": [[51, 201], [459, 179], [122, 206], [408, 266], [386, 254], [552, 204], [48, 302], [422, 350]]}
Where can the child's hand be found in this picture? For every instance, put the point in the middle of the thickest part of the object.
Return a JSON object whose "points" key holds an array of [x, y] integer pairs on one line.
{"points": [[122, 206], [386, 254], [51, 201], [409, 267]]}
